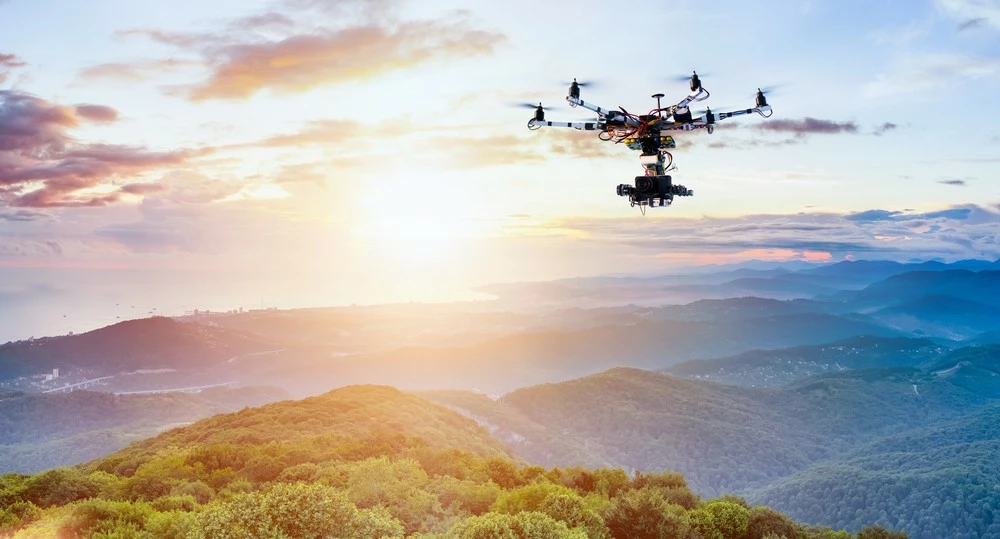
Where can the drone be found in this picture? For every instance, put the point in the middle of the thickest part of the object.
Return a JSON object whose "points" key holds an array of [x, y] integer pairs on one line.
{"points": [[649, 134]]}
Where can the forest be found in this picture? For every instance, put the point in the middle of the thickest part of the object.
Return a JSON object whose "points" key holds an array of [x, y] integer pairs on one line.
{"points": [[366, 461]]}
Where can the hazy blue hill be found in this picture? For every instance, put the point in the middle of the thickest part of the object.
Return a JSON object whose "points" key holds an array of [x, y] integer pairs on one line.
{"points": [[517, 360], [982, 286], [987, 337], [928, 482], [39, 431], [150, 343], [763, 368], [973, 368], [943, 316], [745, 307], [643, 420]]}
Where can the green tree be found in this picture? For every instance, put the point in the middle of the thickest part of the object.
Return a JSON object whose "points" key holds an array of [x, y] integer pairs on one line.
{"points": [[764, 522], [730, 519], [644, 514], [528, 525], [878, 532], [289, 510]]}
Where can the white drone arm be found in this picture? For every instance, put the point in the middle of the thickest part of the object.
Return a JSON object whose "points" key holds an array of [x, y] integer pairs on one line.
{"points": [[586, 126], [613, 115], [709, 120], [701, 95], [763, 111]]}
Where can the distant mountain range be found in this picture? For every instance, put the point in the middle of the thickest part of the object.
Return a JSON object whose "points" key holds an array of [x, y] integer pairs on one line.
{"points": [[891, 445], [151, 343]]}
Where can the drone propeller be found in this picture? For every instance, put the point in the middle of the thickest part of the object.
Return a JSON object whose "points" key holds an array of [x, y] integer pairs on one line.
{"points": [[772, 89], [527, 105], [685, 78], [583, 84]]}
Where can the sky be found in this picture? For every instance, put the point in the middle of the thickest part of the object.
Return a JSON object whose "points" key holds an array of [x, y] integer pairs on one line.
{"points": [[161, 157]]}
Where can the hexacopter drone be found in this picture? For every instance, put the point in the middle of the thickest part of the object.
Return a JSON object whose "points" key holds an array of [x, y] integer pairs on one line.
{"points": [[648, 134]]}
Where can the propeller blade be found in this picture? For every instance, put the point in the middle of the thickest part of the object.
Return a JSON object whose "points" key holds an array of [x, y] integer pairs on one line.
{"points": [[685, 78], [767, 90], [528, 105], [583, 83]]}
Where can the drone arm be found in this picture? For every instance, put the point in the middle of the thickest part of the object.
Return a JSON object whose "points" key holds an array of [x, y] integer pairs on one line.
{"points": [[701, 95], [586, 126], [763, 111], [709, 120], [603, 112]]}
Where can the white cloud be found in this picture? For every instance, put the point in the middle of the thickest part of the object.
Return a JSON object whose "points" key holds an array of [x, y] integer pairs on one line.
{"points": [[927, 72], [964, 11]]}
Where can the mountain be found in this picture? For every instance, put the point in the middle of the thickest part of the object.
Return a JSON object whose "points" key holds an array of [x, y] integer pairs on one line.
{"points": [[39, 431], [503, 364], [151, 343], [942, 316], [982, 287], [362, 462], [763, 368], [643, 420], [929, 482]]}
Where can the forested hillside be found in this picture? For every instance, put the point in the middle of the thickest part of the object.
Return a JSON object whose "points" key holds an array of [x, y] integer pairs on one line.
{"points": [[364, 462], [39, 431], [760, 368], [932, 482]]}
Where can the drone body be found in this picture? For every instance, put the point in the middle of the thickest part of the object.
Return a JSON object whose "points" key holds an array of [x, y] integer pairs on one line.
{"points": [[650, 135]]}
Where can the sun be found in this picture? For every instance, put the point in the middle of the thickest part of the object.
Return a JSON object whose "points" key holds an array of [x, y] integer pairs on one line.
{"points": [[414, 220]]}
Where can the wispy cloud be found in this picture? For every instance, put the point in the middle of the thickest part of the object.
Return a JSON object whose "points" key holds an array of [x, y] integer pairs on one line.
{"points": [[808, 125], [956, 182], [972, 23], [7, 63], [42, 165], [882, 129], [336, 42], [139, 70], [973, 13], [925, 72], [958, 232]]}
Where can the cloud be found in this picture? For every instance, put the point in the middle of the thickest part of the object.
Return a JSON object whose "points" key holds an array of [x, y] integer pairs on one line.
{"points": [[872, 215], [887, 126], [957, 232], [42, 165], [503, 149], [972, 23], [972, 13], [953, 182], [23, 216], [139, 70], [97, 113], [927, 72], [301, 62], [808, 126], [330, 43]]}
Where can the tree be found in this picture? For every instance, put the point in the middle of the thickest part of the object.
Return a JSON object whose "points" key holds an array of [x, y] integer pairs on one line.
{"points": [[765, 521], [730, 519], [291, 510], [643, 513], [878, 532], [528, 525]]}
